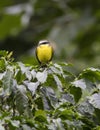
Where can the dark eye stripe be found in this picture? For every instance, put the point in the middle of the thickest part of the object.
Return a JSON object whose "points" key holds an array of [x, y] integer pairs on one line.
{"points": [[43, 42]]}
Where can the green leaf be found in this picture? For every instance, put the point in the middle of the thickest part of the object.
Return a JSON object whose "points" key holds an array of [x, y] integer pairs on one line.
{"points": [[39, 101], [56, 124], [49, 98], [25, 70], [22, 67], [28, 75], [58, 82], [21, 100], [67, 114], [15, 123], [86, 86], [75, 124], [64, 64], [40, 113], [19, 76], [33, 73], [92, 74], [54, 82], [42, 76], [67, 98], [62, 67], [77, 92], [32, 86], [56, 70], [95, 100], [79, 83], [8, 82], [86, 109], [3, 53]]}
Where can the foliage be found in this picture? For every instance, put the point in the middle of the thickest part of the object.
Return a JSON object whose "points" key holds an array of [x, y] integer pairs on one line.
{"points": [[47, 98]]}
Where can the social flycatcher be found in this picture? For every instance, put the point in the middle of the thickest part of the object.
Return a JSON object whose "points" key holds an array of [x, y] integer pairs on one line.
{"points": [[44, 52]]}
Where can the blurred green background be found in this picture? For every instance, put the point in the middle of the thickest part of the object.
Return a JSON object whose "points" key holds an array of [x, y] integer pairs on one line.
{"points": [[72, 25]]}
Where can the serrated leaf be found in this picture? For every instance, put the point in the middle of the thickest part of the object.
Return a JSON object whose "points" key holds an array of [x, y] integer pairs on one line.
{"points": [[54, 82], [25, 70], [65, 69], [79, 83], [21, 99], [40, 113], [86, 86], [28, 75], [95, 100], [66, 97], [75, 124], [55, 70], [32, 86], [22, 67], [33, 72], [8, 82], [49, 98], [41, 76], [85, 108], [58, 124], [59, 67], [58, 82], [76, 92], [66, 114], [15, 123], [92, 74]]}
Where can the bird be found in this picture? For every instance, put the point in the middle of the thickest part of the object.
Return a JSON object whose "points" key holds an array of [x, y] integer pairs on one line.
{"points": [[44, 52]]}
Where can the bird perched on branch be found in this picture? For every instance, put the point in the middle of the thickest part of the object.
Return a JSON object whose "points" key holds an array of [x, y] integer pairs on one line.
{"points": [[44, 52]]}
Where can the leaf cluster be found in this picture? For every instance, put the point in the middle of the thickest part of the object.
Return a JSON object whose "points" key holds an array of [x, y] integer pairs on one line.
{"points": [[47, 98]]}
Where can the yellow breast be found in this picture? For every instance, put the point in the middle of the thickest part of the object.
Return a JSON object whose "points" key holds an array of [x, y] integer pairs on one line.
{"points": [[44, 53]]}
